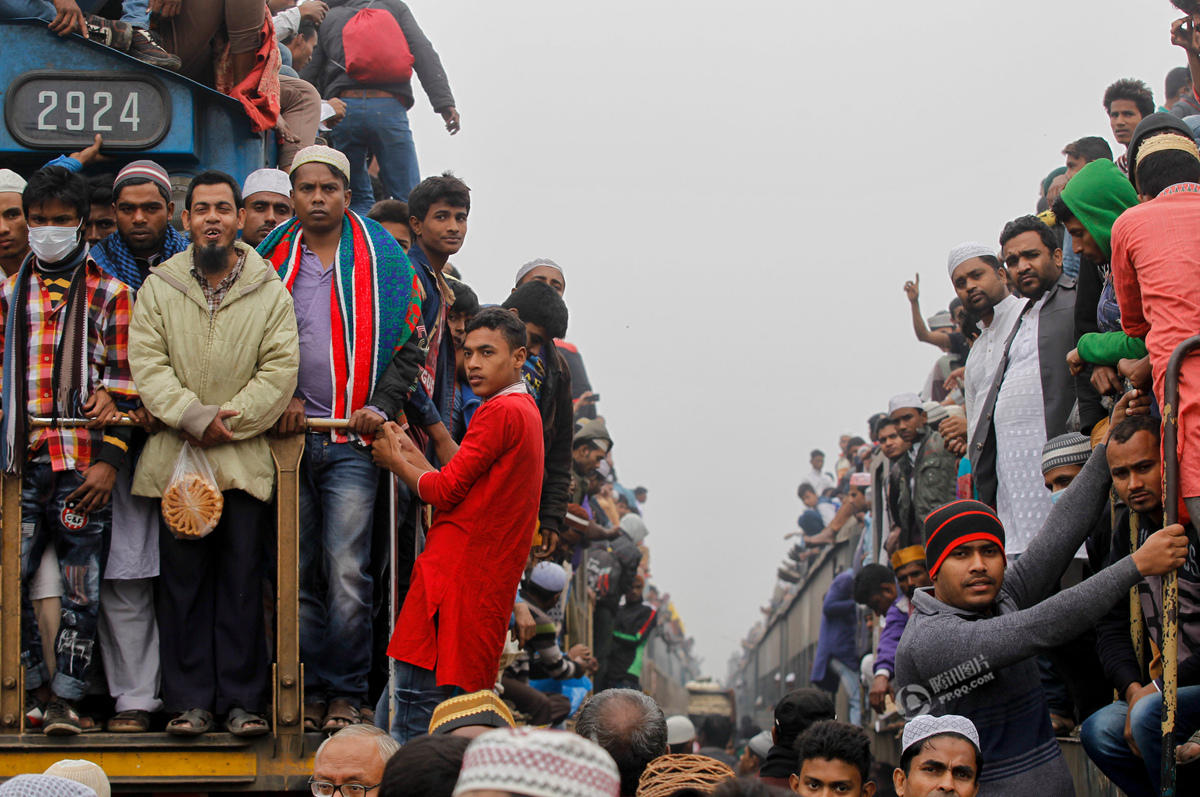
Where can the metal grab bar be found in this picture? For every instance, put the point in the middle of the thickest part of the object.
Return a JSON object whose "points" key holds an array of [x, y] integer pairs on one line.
{"points": [[1170, 596], [40, 422]]}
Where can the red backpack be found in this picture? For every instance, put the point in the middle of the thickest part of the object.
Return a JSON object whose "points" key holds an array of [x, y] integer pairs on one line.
{"points": [[376, 50]]}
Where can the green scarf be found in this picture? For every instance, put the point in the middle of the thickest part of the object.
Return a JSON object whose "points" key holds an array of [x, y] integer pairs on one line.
{"points": [[1097, 195]]}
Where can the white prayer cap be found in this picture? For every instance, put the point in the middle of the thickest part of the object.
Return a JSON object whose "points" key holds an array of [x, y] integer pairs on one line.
{"points": [[904, 401], [921, 727], [272, 180], [550, 576], [11, 182], [680, 729], [966, 251], [524, 270]]}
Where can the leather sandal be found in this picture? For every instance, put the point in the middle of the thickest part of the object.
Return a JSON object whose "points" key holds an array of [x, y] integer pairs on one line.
{"points": [[133, 720], [244, 723], [342, 713], [195, 722]]}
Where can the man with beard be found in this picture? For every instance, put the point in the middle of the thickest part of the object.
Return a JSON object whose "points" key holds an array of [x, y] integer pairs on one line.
{"points": [[1125, 738], [144, 237], [65, 332], [357, 310], [924, 477], [268, 197], [995, 619], [213, 349], [14, 233], [1032, 394]]}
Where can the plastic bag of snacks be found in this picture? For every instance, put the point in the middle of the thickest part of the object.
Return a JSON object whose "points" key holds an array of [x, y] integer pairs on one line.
{"points": [[192, 502]]}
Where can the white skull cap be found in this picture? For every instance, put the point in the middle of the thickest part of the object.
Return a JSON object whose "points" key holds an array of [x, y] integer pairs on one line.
{"points": [[921, 727]]}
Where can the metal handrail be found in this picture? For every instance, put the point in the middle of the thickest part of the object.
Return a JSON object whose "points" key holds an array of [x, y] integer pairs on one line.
{"points": [[1170, 596], [42, 422]]}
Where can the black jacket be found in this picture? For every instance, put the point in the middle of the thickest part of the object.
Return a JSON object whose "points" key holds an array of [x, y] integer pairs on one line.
{"points": [[558, 427], [1056, 328], [1087, 295], [327, 69]]}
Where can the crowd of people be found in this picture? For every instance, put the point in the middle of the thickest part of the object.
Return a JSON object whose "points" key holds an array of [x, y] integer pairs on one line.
{"points": [[1023, 493], [341, 71], [462, 434]]}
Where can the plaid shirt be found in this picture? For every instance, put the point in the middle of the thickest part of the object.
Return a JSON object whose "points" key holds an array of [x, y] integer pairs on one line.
{"points": [[108, 311], [214, 296]]}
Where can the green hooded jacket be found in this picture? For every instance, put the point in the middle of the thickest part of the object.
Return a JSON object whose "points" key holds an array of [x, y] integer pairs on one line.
{"points": [[1097, 195]]}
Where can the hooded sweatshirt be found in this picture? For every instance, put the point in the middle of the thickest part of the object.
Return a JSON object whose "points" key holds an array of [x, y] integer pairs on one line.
{"points": [[1097, 195]]}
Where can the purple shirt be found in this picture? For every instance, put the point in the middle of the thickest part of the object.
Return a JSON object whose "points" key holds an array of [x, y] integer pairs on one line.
{"points": [[311, 292]]}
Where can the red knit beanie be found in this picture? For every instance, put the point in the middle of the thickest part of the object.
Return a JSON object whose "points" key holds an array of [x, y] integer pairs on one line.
{"points": [[956, 523]]}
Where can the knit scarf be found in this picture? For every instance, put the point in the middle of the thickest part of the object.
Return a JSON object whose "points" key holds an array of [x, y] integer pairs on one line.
{"points": [[113, 255], [71, 376], [374, 308]]}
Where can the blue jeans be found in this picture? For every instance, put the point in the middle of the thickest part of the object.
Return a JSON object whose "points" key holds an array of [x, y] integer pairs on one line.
{"points": [[44, 9], [377, 126], [850, 682], [79, 541], [417, 695], [1103, 737], [337, 502]]}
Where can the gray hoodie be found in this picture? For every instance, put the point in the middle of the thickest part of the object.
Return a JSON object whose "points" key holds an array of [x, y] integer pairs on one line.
{"points": [[981, 665]]}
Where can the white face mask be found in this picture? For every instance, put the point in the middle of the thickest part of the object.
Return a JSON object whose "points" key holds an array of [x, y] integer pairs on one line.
{"points": [[53, 244]]}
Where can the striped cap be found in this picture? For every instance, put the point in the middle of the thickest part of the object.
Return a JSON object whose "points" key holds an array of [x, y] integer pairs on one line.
{"points": [[538, 763], [958, 523], [1071, 448], [477, 708], [143, 170]]}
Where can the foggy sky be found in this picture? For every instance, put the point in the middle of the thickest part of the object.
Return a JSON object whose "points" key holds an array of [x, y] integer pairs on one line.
{"points": [[737, 192]]}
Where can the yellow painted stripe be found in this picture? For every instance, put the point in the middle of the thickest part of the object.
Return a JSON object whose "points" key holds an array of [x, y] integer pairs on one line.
{"points": [[116, 441], [196, 763]]}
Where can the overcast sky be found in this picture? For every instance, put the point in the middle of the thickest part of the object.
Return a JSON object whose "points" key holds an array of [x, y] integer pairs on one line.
{"points": [[737, 192]]}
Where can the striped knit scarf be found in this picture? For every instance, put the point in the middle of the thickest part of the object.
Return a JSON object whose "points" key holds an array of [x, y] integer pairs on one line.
{"points": [[374, 309], [71, 374], [113, 255]]}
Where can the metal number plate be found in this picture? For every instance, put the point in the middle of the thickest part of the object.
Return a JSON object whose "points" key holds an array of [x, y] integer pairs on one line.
{"points": [[65, 110]]}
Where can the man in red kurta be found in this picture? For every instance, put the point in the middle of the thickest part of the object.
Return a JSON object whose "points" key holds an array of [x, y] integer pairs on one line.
{"points": [[451, 629], [1156, 277]]}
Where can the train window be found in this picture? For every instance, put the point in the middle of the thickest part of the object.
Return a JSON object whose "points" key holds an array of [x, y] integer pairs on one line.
{"points": [[64, 110]]}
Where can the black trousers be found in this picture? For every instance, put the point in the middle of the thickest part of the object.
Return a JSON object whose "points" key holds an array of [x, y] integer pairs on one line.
{"points": [[210, 620]]}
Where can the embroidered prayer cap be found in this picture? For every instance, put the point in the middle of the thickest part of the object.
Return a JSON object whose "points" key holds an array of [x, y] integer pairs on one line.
{"points": [[905, 401], [550, 576], [680, 729], [941, 320], [958, 523], [538, 763], [906, 556], [935, 413], [860, 479], [524, 270], [275, 181], [760, 744], [667, 774], [1153, 125], [967, 251], [476, 708], [143, 170], [11, 182], [1071, 448], [318, 153], [44, 786], [81, 771], [635, 527], [923, 726]]}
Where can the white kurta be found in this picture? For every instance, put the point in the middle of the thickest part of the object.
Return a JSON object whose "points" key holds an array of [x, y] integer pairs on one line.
{"points": [[1022, 500], [984, 358]]}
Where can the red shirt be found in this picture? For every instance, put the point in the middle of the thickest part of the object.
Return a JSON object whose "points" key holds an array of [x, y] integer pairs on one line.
{"points": [[1156, 277], [464, 583]]}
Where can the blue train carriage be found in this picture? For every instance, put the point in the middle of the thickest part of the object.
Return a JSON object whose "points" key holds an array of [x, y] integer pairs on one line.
{"points": [[59, 92]]}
